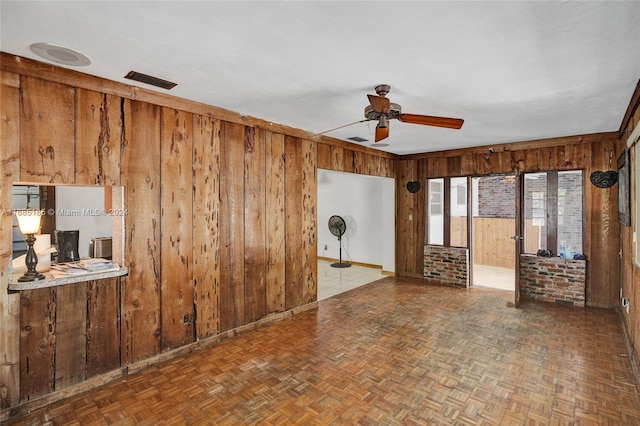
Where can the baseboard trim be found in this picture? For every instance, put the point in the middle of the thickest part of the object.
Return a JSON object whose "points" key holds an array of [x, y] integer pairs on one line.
{"points": [[633, 357]]}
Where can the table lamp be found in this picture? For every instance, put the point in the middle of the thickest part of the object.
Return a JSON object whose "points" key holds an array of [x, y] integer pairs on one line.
{"points": [[29, 222]]}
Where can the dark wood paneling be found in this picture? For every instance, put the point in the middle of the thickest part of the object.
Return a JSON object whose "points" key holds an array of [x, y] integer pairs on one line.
{"points": [[47, 129], [206, 225], [324, 156], [409, 214], [141, 327], [103, 326], [98, 138], [309, 220], [337, 159], [37, 342], [9, 303], [275, 218], [176, 203], [255, 238], [70, 334], [293, 225], [232, 307], [603, 230]]}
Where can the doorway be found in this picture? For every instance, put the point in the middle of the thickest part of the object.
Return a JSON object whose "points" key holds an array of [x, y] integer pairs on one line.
{"points": [[367, 206], [493, 257]]}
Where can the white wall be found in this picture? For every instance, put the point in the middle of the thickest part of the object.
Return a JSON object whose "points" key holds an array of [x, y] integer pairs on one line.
{"points": [[82, 208], [367, 204]]}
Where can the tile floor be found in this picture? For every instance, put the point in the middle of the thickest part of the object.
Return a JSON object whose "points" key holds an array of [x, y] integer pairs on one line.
{"points": [[332, 281], [494, 277]]}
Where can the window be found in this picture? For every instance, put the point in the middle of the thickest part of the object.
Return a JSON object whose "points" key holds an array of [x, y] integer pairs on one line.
{"points": [[553, 212], [447, 211], [435, 214], [458, 219]]}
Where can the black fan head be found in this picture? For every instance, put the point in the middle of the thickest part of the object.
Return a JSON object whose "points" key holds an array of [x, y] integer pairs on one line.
{"points": [[337, 225]]}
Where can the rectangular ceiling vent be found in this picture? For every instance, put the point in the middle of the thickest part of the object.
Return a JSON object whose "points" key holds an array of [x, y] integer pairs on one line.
{"points": [[357, 139], [148, 79]]}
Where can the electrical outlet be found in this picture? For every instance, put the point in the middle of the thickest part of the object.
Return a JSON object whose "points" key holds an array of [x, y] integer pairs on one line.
{"points": [[325, 246]]}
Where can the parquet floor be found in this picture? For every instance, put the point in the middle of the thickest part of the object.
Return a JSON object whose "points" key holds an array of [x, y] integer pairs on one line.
{"points": [[395, 351]]}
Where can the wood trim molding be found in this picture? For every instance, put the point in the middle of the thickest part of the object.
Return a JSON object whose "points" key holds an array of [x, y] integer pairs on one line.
{"points": [[519, 146], [634, 104], [327, 140]]}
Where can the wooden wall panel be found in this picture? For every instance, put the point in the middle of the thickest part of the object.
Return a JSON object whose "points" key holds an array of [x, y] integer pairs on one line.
{"points": [[206, 225], [275, 218], [70, 334], [349, 161], [103, 326], [255, 238], [409, 240], [141, 327], [47, 132], [232, 308], [309, 221], [9, 303], [293, 207], [337, 159], [176, 203], [630, 272], [37, 342], [603, 230], [98, 138], [324, 156]]}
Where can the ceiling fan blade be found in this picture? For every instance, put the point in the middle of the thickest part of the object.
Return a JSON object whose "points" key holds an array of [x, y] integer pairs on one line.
{"points": [[382, 133], [379, 103], [429, 120]]}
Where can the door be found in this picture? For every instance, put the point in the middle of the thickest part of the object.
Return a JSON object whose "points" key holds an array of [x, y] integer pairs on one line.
{"points": [[494, 221], [519, 233]]}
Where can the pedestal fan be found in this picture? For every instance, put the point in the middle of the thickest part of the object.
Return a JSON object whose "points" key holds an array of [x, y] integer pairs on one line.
{"points": [[338, 227]]}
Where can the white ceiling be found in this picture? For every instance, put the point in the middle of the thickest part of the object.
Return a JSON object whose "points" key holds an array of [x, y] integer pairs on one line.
{"points": [[514, 71]]}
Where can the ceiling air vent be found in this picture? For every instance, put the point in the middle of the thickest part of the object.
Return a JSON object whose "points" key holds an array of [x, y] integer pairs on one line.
{"points": [[148, 79], [357, 139]]}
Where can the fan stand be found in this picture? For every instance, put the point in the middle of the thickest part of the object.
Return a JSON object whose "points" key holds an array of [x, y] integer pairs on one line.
{"points": [[340, 264]]}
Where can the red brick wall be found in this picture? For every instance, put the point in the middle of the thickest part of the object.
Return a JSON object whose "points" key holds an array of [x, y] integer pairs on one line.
{"points": [[446, 265], [553, 279]]}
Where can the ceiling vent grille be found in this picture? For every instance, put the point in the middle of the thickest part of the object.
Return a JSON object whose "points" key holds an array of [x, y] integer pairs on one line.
{"points": [[357, 139], [148, 79]]}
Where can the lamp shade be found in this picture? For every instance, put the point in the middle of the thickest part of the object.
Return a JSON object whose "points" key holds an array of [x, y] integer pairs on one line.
{"points": [[29, 220]]}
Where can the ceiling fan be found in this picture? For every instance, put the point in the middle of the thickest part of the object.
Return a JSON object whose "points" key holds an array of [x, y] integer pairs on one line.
{"points": [[383, 110]]}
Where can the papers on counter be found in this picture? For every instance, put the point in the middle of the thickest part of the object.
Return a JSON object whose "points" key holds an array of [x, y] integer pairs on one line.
{"points": [[83, 267]]}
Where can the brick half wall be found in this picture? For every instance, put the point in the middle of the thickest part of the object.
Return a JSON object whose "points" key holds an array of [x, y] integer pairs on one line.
{"points": [[553, 279], [446, 265]]}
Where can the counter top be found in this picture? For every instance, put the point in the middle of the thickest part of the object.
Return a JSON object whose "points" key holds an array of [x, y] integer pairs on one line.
{"points": [[50, 281]]}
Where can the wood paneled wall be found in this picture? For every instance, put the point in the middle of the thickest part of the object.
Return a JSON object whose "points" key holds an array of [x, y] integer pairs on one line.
{"points": [[220, 230], [589, 153], [630, 276]]}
